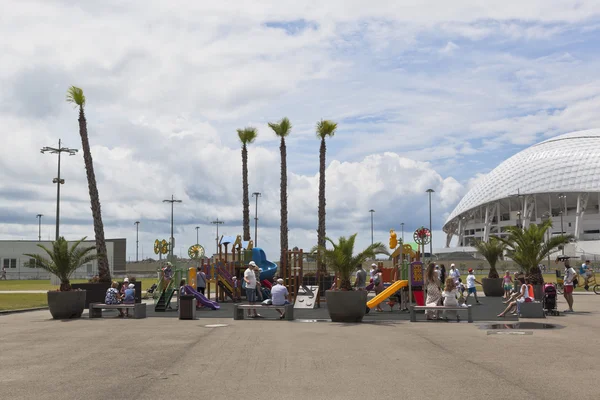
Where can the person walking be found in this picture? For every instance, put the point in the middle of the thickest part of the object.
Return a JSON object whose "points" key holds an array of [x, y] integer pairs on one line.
{"points": [[434, 294], [454, 274], [443, 273], [378, 285], [471, 289], [360, 282], [250, 284], [570, 275], [200, 280]]}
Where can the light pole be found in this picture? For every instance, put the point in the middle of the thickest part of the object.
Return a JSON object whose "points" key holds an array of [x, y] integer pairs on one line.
{"points": [[430, 230], [402, 225], [257, 195], [58, 150], [137, 241], [39, 217], [217, 223], [562, 230], [172, 240], [197, 240], [371, 211]]}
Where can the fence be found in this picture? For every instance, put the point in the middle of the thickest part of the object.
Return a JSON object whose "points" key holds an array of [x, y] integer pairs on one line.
{"points": [[19, 269]]}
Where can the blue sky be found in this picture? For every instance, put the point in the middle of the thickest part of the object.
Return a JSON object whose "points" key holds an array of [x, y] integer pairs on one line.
{"points": [[426, 96]]}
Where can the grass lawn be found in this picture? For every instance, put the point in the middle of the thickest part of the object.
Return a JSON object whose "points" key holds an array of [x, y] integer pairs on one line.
{"points": [[18, 301], [45, 284]]}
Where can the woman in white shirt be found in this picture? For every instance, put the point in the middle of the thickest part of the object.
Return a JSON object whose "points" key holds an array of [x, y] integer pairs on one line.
{"points": [[523, 297]]}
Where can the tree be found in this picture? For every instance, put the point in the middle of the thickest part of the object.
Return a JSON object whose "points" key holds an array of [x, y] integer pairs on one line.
{"points": [[75, 95], [62, 261], [341, 258], [283, 129], [492, 251], [528, 248], [247, 136], [325, 129]]}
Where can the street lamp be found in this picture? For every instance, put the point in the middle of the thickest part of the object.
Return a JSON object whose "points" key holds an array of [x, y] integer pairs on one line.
{"points": [[58, 150], [257, 195], [548, 216], [137, 241], [197, 240], [519, 222], [402, 225], [371, 211], [562, 230], [172, 240], [217, 223], [39, 217], [429, 191]]}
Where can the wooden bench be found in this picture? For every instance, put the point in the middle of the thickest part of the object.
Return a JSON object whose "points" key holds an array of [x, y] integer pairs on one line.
{"points": [[139, 309], [238, 310], [413, 315]]}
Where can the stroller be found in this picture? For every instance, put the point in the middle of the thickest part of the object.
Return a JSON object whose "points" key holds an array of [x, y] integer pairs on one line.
{"points": [[150, 292], [549, 302]]}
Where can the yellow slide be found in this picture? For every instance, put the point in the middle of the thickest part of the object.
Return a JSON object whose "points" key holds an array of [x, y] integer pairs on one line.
{"points": [[393, 288]]}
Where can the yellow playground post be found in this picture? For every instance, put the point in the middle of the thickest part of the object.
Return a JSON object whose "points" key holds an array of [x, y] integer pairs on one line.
{"points": [[191, 278]]}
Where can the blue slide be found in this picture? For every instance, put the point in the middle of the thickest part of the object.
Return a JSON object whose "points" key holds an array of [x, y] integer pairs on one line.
{"points": [[268, 268], [202, 299]]}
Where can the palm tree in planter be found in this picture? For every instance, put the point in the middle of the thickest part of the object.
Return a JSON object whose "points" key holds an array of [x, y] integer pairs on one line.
{"points": [[346, 304], [528, 247], [492, 251], [75, 95], [62, 261], [247, 136]]}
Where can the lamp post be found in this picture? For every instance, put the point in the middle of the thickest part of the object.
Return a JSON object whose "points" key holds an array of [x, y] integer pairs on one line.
{"points": [[429, 191], [548, 216], [402, 225], [137, 240], [371, 211], [217, 223], [39, 217], [172, 239], [197, 240], [257, 195], [58, 150], [562, 230]]}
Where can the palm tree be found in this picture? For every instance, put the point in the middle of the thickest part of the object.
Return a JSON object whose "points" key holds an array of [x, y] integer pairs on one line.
{"points": [[75, 95], [528, 248], [325, 128], [342, 260], [492, 250], [63, 261], [283, 129], [246, 135]]}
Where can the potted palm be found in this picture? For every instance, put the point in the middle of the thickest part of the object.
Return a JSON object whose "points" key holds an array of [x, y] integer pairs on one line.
{"points": [[343, 303], [62, 261], [492, 251], [527, 248]]}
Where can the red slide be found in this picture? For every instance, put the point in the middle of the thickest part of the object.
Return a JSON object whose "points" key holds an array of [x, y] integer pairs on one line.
{"points": [[266, 284], [418, 295]]}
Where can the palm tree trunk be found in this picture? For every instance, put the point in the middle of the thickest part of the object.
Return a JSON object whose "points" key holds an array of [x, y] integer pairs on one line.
{"points": [[103, 269], [245, 200], [321, 227], [283, 195]]}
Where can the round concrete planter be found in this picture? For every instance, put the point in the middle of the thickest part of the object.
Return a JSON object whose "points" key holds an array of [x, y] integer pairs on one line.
{"points": [[346, 306], [492, 287], [66, 305]]}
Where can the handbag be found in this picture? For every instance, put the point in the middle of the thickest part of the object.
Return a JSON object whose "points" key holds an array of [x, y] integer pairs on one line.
{"points": [[377, 281], [244, 284]]}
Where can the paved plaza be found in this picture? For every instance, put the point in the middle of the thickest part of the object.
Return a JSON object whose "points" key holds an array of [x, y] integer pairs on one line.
{"points": [[111, 358]]}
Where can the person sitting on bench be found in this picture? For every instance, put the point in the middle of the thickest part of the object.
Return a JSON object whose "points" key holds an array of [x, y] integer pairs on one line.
{"points": [[522, 298], [129, 297], [279, 295], [114, 297]]}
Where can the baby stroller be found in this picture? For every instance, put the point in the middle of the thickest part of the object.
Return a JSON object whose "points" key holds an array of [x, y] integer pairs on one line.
{"points": [[550, 299], [150, 292]]}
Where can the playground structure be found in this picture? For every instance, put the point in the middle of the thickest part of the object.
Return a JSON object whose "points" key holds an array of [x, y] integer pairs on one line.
{"points": [[161, 247]]}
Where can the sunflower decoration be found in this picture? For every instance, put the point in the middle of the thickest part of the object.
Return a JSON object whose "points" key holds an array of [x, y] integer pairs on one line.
{"points": [[164, 247], [422, 235], [156, 246], [196, 251]]}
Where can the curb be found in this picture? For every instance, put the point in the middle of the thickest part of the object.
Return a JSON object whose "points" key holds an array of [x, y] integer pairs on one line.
{"points": [[21, 310]]}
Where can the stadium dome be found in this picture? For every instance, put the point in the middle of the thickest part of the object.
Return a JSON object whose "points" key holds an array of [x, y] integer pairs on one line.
{"points": [[558, 178]]}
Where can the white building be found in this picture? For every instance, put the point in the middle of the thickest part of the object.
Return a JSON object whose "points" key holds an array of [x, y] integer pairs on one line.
{"points": [[17, 264], [557, 179]]}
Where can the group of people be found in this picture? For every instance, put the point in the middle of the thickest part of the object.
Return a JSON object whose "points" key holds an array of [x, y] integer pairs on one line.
{"points": [[252, 285], [124, 296]]}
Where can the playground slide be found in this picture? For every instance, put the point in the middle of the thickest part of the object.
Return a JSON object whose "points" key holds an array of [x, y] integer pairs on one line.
{"points": [[393, 288], [268, 268], [266, 284], [202, 299]]}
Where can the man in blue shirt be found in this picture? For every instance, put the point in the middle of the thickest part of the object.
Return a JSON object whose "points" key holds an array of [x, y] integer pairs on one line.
{"points": [[279, 295], [583, 273]]}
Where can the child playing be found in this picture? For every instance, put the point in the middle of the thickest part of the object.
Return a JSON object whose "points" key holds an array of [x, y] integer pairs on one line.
{"points": [[471, 289], [507, 284], [461, 288], [450, 299], [129, 297]]}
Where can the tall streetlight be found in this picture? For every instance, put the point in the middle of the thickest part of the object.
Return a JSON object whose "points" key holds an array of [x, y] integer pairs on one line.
{"points": [[39, 217], [172, 240], [257, 195], [137, 240], [562, 230], [217, 223], [402, 225], [430, 230], [548, 215], [371, 211], [197, 240], [58, 150]]}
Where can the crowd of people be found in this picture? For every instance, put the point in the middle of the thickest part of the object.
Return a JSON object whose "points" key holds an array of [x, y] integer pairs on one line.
{"points": [[126, 295]]}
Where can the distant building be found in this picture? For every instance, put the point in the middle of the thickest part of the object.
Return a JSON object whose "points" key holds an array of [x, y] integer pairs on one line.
{"points": [[18, 266]]}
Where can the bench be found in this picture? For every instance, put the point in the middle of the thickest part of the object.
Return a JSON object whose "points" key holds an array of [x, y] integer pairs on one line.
{"points": [[535, 309], [238, 310], [413, 315], [139, 309]]}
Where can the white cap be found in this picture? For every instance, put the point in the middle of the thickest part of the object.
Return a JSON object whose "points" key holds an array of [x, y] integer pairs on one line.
{"points": [[131, 286], [373, 265], [252, 263], [452, 265], [125, 280]]}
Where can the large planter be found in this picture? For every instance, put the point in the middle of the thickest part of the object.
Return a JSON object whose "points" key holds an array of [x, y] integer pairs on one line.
{"points": [[492, 287], [96, 292], [66, 305], [538, 292], [346, 306]]}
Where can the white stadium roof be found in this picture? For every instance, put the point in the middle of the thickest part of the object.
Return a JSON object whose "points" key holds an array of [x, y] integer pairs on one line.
{"points": [[566, 163]]}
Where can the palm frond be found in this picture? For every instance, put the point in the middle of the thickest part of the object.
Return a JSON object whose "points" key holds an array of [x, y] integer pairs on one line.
{"points": [[326, 128], [247, 135], [281, 128], [75, 95]]}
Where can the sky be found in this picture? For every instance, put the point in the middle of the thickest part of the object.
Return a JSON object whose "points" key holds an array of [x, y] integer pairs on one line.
{"points": [[425, 96]]}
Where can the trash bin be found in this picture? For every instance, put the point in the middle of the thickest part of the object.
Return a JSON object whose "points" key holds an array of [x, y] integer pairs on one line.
{"points": [[187, 307]]}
